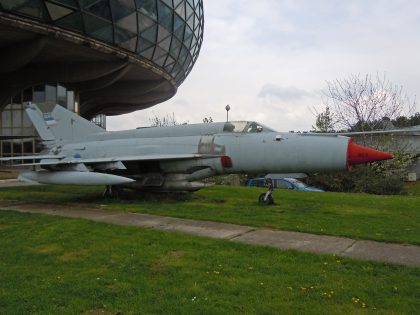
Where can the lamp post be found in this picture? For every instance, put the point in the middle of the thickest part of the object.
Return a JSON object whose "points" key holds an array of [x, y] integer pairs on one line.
{"points": [[227, 112]]}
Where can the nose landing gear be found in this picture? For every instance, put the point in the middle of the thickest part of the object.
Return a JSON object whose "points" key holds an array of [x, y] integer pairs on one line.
{"points": [[265, 200]]}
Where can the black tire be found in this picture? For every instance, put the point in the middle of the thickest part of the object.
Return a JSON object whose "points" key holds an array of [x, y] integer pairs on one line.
{"points": [[261, 199], [263, 202]]}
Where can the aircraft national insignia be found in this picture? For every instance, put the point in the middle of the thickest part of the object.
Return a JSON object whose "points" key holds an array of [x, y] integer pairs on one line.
{"points": [[49, 119]]}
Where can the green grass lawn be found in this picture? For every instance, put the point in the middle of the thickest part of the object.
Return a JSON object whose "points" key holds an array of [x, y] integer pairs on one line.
{"points": [[382, 218], [51, 265]]}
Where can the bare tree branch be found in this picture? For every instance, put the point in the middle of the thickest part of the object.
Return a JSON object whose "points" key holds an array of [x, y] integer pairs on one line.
{"points": [[362, 102]]}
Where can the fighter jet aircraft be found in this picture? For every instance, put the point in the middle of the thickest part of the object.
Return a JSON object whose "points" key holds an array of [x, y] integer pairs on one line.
{"points": [[177, 158]]}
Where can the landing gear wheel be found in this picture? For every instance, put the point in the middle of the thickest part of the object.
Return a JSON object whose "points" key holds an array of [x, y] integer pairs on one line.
{"points": [[265, 202]]}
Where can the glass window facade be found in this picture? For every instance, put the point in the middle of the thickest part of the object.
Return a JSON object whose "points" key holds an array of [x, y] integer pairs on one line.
{"points": [[100, 120], [15, 123], [168, 33]]}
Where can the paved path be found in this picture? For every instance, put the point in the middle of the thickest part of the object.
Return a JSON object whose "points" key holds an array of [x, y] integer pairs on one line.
{"points": [[408, 255], [14, 183]]}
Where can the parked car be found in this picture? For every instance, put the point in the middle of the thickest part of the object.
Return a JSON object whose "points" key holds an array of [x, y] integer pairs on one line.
{"points": [[283, 183]]}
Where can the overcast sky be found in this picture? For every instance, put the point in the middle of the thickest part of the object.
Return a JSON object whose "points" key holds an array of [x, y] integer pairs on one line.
{"points": [[270, 59]]}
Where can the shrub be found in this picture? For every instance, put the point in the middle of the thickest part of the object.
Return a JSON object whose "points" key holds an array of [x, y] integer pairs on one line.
{"points": [[382, 178]]}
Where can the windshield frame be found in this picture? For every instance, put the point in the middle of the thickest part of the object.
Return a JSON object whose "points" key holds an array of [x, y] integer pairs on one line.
{"points": [[245, 127]]}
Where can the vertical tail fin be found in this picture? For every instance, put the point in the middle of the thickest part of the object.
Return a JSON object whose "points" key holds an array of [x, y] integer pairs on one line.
{"points": [[61, 124], [36, 116]]}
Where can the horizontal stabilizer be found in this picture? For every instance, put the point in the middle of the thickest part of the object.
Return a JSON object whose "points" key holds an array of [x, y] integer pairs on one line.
{"points": [[16, 137], [31, 157]]}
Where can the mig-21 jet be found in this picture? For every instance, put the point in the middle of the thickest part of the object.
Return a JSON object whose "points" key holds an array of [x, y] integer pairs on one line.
{"points": [[177, 158]]}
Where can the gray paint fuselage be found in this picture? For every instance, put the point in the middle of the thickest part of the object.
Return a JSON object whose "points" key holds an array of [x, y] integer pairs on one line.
{"points": [[256, 152]]}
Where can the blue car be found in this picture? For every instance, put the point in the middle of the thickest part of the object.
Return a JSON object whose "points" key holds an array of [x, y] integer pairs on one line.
{"points": [[283, 183]]}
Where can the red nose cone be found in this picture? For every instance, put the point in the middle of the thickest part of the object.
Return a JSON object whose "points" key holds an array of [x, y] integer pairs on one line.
{"points": [[357, 154]]}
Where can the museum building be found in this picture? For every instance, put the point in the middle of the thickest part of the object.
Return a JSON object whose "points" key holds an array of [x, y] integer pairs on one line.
{"points": [[94, 57]]}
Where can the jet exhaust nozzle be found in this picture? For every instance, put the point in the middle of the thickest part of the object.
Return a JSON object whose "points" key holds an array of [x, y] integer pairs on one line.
{"points": [[358, 154], [74, 178]]}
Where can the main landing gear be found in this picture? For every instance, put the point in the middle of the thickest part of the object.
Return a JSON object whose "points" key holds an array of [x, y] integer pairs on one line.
{"points": [[112, 191]]}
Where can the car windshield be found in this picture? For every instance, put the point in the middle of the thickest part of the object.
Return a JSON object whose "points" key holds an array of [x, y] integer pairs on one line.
{"points": [[245, 126], [297, 183]]}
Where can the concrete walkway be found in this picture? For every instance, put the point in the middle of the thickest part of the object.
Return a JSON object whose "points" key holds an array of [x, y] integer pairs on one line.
{"points": [[408, 255], [14, 183]]}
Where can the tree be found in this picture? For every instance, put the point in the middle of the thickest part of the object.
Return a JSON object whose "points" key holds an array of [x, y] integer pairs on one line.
{"points": [[403, 121], [325, 121], [165, 121], [360, 103], [208, 120]]}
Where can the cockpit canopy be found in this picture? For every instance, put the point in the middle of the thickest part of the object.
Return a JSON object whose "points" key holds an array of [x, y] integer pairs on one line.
{"points": [[245, 127]]}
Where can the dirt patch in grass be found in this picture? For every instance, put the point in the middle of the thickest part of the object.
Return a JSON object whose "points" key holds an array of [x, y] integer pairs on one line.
{"points": [[46, 206], [178, 253], [47, 249], [158, 265], [74, 255], [216, 201], [101, 310], [8, 203]]}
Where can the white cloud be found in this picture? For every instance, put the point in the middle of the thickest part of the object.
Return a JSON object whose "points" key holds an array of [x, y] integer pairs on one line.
{"points": [[287, 94]]}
